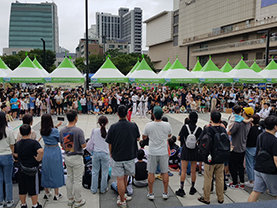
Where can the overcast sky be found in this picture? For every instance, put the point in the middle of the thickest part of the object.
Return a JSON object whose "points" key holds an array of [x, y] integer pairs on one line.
{"points": [[71, 14]]}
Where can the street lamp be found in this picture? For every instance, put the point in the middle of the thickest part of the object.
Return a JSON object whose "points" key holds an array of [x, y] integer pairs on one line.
{"points": [[44, 53], [87, 74]]}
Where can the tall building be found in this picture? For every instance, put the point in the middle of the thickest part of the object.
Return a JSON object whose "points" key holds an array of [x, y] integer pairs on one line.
{"points": [[222, 29], [126, 26], [31, 22], [92, 32]]}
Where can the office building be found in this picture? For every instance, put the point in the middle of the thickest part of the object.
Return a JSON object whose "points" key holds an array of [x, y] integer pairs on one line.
{"points": [[94, 48], [126, 26], [31, 22], [92, 32], [121, 45], [223, 29]]}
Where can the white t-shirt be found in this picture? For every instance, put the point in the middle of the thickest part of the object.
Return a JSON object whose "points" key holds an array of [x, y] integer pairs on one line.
{"points": [[158, 135], [6, 142]]}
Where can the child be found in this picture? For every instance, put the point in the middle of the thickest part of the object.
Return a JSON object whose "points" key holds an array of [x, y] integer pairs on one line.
{"points": [[182, 109], [141, 173], [177, 108], [79, 106], [27, 119], [22, 110], [96, 110], [109, 110], [165, 109], [222, 104]]}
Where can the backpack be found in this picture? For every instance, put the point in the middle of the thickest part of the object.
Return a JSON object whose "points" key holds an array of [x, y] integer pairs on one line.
{"points": [[191, 138], [204, 146], [220, 147]]}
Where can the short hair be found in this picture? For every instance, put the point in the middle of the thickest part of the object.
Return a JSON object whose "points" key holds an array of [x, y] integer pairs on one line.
{"points": [[165, 119], [27, 119], [122, 111], [270, 122], [215, 116], [71, 115], [25, 130], [3, 106], [140, 154], [141, 144], [256, 119], [174, 139], [225, 123], [193, 117], [237, 109]]}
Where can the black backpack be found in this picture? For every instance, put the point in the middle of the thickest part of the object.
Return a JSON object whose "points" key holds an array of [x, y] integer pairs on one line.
{"points": [[220, 151], [204, 146]]}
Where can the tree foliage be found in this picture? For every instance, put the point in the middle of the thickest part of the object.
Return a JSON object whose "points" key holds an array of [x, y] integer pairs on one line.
{"points": [[13, 61]]}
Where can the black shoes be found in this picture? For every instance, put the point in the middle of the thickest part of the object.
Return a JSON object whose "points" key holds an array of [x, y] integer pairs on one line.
{"points": [[180, 192], [192, 191]]}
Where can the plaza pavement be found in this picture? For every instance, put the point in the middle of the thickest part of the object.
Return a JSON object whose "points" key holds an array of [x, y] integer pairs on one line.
{"points": [[108, 200]]}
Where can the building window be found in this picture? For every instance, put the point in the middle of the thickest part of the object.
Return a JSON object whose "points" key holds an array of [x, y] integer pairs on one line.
{"points": [[175, 29], [125, 46], [175, 40], [14, 53], [259, 55], [176, 19], [227, 29], [111, 46], [245, 56]]}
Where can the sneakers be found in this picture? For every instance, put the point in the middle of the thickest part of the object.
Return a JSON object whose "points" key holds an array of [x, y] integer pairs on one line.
{"points": [[9, 203], [126, 197], [105, 191], [57, 197], [180, 192], [170, 174], [24, 206], [80, 203], [47, 196], [241, 186], [159, 177], [150, 196], [192, 191], [121, 204], [1, 204], [233, 186], [249, 184], [165, 196], [38, 206], [200, 174], [70, 202]]}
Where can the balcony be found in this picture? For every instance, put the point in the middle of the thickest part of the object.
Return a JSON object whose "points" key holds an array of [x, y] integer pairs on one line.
{"points": [[233, 47]]}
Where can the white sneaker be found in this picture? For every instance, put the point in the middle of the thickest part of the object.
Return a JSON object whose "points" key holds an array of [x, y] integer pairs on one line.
{"points": [[126, 197], [121, 204], [70, 202], [165, 196], [150, 196], [57, 197], [10, 203], [80, 203], [1, 204], [47, 196], [249, 184]]}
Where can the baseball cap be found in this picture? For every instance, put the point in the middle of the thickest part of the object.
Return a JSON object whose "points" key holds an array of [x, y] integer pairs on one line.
{"points": [[248, 111], [158, 111]]}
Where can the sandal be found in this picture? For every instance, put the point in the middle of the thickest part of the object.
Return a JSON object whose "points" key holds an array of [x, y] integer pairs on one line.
{"points": [[220, 202], [201, 199]]}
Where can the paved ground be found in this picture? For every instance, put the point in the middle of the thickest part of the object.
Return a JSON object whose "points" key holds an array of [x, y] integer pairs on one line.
{"points": [[87, 123]]}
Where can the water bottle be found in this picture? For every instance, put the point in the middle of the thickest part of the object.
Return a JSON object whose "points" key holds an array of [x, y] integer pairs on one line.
{"points": [[209, 158]]}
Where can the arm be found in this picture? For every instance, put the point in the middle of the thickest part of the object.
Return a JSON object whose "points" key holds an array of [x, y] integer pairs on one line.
{"points": [[39, 154], [110, 148], [248, 120], [144, 137], [275, 160], [12, 148]]}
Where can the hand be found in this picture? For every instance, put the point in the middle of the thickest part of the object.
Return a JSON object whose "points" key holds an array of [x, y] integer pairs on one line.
{"points": [[59, 124], [37, 159]]}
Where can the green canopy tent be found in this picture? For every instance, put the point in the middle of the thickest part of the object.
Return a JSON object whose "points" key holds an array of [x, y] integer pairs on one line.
{"points": [[133, 69], [108, 73], [226, 67], [243, 74], [210, 73], [164, 70], [66, 72], [177, 73], [197, 66], [26, 72], [4, 67], [37, 64], [255, 67], [270, 72], [144, 74]]}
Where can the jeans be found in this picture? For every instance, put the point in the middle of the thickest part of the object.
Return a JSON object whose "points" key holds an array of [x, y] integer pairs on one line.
{"points": [[75, 170], [236, 166], [100, 160], [250, 162], [6, 172], [89, 107]]}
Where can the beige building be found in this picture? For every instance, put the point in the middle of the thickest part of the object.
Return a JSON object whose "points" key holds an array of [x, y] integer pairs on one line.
{"points": [[121, 45], [223, 29], [93, 47]]}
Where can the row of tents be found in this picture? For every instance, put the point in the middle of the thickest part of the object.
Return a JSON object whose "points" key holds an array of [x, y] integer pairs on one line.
{"points": [[32, 72]]}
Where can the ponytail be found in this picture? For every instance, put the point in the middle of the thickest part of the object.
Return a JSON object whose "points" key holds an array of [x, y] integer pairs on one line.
{"points": [[103, 120]]}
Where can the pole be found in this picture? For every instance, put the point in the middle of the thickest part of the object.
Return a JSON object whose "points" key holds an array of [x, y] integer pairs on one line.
{"points": [[44, 53], [87, 71], [188, 58], [267, 47]]}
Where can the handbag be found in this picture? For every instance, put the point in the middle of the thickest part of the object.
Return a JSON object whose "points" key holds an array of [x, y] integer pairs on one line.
{"points": [[29, 171], [264, 161]]}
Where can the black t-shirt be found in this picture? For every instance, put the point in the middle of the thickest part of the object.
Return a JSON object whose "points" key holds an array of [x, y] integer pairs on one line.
{"points": [[268, 143], [252, 136], [141, 171], [26, 150], [184, 132], [123, 137]]}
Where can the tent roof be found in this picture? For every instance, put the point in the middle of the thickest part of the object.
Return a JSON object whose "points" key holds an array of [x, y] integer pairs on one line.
{"points": [[255, 67], [226, 67], [271, 66], [4, 67], [209, 66], [38, 65], [143, 66], [270, 72], [66, 69], [241, 65], [197, 66], [143, 71], [165, 69], [133, 69]]}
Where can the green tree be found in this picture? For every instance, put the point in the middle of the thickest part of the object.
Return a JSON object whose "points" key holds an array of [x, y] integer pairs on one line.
{"points": [[79, 63], [95, 62]]}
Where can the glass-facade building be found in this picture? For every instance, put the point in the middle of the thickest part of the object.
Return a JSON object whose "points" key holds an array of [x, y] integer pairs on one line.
{"points": [[31, 22]]}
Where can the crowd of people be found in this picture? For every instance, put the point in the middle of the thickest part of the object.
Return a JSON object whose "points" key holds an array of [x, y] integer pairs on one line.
{"points": [[17, 102], [249, 135]]}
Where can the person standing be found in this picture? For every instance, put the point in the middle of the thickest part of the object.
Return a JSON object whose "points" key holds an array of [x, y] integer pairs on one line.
{"points": [[101, 156], [122, 139], [73, 141], [59, 101], [83, 102], [213, 168], [14, 105], [265, 179], [7, 142], [188, 154], [29, 154], [158, 133], [52, 174]]}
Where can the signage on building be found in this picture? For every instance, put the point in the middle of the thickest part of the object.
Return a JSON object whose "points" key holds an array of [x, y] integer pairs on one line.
{"points": [[266, 3]]}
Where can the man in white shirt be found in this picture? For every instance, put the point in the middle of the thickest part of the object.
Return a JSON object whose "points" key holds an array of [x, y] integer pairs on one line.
{"points": [[158, 133], [134, 99], [264, 113]]}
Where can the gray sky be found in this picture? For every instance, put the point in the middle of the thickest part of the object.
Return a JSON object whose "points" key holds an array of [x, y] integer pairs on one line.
{"points": [[71, 15]]}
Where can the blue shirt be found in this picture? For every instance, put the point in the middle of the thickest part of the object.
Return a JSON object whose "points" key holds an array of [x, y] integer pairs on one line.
{"points": [[238, 118], [14, 100], [32, 104]]}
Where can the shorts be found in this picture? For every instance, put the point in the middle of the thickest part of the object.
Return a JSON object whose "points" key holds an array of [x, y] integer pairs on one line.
{"points": [[14, 110], [32, 108], [154, 160], [28, 184], [123, 168], [264, 182], [22, 112]]}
